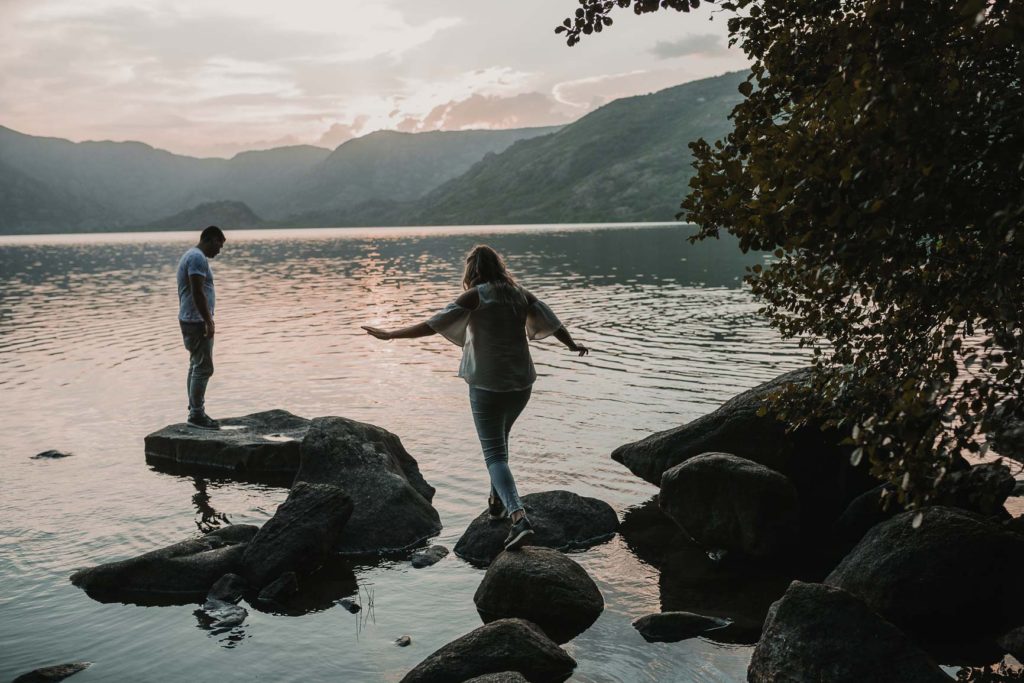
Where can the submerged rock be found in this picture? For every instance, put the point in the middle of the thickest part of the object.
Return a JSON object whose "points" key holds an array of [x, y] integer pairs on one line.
{"points": [[500, 646], [671, 627], [561, 520], [724, 502], [955, 577], [821, 633], [52, 674], [51, 455], [177, 574], [350, 605], [221, 614], [403, 641], [542, 586], [428, 557], [228, 588], [391, 500], [253, 446], [302, 533]]}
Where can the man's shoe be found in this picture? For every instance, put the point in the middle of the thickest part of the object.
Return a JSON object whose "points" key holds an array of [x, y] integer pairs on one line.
{"points": [[520, 532], [495, 508], [203, 421]]}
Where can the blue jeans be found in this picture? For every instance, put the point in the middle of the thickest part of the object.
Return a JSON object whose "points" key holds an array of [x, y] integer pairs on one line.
{"points": [[200, 365], [494, 413]]}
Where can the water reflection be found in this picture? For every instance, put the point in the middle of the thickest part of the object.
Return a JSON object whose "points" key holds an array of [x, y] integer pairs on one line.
{"points": [[208, 518]]}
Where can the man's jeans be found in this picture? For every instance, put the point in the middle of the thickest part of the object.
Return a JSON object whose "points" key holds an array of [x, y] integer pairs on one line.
{"points": [[200, 365], [494, 413]]}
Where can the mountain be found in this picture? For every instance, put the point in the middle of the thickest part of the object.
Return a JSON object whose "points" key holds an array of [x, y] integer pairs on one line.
{"points": [[227, 214]]}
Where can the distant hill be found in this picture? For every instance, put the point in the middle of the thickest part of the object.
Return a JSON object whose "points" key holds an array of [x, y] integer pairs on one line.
{"points": [[224, 214]]}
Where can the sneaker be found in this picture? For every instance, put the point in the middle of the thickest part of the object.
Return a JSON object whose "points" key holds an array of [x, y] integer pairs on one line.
{"points": [[495, 508], [520, 532], [203, 421]]}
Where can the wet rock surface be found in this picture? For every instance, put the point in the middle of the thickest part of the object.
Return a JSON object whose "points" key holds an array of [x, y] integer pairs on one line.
{"points": [[52, 674], [955, 577], [253, 446], [503, 677], [821, 633], [561, 520], [671, 627], [391, 500], [228, 588], [543, 586], [505, 645], [428, 557], [302, 533], [177, 574], [724, 502]]}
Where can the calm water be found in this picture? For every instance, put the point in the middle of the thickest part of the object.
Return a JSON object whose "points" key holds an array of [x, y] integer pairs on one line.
{"points": [[91, 360]]}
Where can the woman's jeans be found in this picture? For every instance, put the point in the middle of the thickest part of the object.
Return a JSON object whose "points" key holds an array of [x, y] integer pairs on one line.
{"points": [[494, 413], [200, 365]]}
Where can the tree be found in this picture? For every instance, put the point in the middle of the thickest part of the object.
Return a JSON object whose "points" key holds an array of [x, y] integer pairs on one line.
{"points": [[879, 155]]}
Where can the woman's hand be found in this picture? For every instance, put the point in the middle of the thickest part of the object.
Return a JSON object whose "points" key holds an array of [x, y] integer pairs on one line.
{"points": [[377, 332], [582, 350]]}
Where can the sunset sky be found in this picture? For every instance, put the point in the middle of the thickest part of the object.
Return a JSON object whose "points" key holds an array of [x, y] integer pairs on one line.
{"points": [[214, 78]]}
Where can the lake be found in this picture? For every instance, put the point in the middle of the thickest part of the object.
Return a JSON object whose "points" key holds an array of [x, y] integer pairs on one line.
{"points": [[91, 360]]}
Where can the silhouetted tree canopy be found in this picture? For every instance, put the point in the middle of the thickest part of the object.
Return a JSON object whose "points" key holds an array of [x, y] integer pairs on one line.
{"points": [[879, 155]]}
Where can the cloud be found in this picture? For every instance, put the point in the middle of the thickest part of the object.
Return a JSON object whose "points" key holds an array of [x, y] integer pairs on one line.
{"points": [[342, 132], [705, 45], [492, 112], [586, 94]]}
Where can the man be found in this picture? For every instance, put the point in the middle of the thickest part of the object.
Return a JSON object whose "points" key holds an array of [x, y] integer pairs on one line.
{"points": [[196, 299]]}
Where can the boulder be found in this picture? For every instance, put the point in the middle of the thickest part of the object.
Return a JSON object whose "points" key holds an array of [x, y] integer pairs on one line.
{"points": [[821, 633], [1005, 429], [1013, 642], [814, 459], [428, 557], [864, 512], [260, 446], [724, 502], [952, 578], [391, 500], [981, 488], [505, 645], [503, 677], [280, 589], [671, 627], [561, 520], [228, 588], [52, 674], [542, 586], [300, 535], [177, 574]]}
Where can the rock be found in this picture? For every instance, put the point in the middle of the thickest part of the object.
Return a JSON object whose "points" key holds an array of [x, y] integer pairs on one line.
{"points": [[391, 500], [350, 605], [430, 556], [229, 588], [302, 533], [1018, 489], [1013, 642], [500, 646], [864, 512], [726, 502], [503, 677], [1005, 431], [220, 614], [954, 578], [51, 455], [561, 520], [542, 586], [982, 489], [671, 627], [403, 641], [178, 574], [815, 461], [280, 589], [52, 674], [256, 446], [821, 633]]}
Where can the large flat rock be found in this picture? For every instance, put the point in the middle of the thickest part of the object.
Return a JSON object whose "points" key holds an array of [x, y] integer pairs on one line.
{"points": [[253, 446]]}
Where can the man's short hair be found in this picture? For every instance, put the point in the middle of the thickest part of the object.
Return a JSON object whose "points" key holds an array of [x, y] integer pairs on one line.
{"points": [[212, 234]]}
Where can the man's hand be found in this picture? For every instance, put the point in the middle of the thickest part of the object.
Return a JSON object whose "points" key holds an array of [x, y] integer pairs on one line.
{"points": [[209, 328], [377, 332]]}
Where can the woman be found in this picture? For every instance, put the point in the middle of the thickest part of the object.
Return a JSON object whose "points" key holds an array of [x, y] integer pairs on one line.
{"points": [[492, 321]]}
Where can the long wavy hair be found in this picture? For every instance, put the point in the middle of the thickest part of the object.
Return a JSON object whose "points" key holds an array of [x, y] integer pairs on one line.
{"points": [[485, 265]]}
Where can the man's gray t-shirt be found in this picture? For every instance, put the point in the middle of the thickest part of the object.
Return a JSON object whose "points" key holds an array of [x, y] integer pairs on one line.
{"points": [[194, 262]]}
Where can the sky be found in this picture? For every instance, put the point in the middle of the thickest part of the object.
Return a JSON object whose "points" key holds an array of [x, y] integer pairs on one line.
{"points": [[213, 78]]}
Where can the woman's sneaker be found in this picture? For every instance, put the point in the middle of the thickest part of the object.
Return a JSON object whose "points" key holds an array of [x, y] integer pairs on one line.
{"points": [[495, 508], [518, 534]]}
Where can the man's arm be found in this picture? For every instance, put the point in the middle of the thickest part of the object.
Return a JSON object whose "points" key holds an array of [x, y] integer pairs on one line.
{"points": [[196, 283]]}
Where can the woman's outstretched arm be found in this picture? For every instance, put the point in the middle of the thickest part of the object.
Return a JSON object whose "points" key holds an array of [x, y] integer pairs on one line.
{"points": [[563, 336], [468, 300]]}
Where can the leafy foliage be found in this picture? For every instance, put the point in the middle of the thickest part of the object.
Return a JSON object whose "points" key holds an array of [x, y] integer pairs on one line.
{"points": [[879, 154]]}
